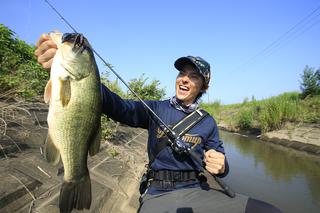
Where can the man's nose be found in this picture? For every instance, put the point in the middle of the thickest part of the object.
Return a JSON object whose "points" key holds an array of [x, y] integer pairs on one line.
{"points": [[185, 79]]}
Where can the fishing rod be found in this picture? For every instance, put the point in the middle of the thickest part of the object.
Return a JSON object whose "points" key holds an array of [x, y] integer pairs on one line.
{"points": [[167, 128], [177, 144]]}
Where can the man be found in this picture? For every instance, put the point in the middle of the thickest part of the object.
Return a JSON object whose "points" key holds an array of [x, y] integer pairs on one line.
{"points": [[175, 183]]}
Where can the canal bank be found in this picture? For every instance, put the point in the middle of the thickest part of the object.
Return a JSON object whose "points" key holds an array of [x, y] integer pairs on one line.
{"points": [[299, 136]]}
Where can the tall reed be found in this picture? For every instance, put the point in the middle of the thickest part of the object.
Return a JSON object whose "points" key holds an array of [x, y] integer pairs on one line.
{"points": [[268, 114]]}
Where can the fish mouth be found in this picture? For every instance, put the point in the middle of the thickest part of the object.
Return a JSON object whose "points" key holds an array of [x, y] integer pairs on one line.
{"points": [[77, 39], [72, 38]]}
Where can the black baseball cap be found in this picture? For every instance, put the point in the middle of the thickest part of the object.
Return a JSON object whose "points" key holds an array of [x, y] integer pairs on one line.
{"points": [[202, 66]]}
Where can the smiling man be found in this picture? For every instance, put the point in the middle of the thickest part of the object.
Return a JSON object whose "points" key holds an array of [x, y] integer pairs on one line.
{"points": [[172, 178], [189, 84], [192, 81], [174, 182]]}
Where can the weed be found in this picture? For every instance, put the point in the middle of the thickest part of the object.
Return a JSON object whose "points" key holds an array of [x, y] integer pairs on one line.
{"points": [[268, 114]]}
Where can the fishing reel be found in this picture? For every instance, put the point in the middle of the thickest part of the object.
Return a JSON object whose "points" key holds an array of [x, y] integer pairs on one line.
{"points": [[180, 146]]}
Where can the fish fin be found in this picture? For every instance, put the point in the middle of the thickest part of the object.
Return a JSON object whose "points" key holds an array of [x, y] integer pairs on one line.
{"points": [[75, 195], [95, 141], [47, 92], [65, 92], [51, 152]]}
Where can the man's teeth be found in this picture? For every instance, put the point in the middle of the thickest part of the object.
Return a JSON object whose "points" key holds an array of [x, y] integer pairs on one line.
{"points": [[184, 88]]}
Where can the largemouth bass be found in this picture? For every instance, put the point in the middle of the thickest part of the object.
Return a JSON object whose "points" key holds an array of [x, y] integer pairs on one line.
{"points": [[73, 94]]}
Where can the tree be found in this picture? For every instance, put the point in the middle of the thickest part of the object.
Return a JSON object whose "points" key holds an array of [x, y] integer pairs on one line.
{"points": [[146, 91], [19, 69], [112, 85], [310, 84]]}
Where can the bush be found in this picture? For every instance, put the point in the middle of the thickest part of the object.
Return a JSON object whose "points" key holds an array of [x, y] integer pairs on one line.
{"points": [[213, 108], [311, 109], [275, 111], [112, 85], [269, 114], [19, 69], [108, 127], [310, 84], [245, 118], [145, 91]]}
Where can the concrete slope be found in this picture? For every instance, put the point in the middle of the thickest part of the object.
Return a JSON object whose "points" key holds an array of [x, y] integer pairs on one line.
{"points": [[30, 184]]}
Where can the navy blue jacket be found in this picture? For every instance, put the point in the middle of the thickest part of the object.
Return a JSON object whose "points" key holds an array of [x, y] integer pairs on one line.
{"points": [[132, 113]]}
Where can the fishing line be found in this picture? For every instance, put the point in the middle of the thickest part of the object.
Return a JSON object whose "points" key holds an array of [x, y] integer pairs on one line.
{"points": [[166, 128], [63, 19]]}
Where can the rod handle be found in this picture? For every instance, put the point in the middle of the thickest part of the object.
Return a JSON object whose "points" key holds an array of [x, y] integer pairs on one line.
{"points": [[225, 187]]}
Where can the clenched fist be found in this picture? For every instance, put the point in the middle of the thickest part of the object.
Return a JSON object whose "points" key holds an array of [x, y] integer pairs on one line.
{"points": [[215, 162]]}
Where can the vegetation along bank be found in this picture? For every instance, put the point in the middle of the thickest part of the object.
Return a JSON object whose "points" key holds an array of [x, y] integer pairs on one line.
{"points": [[290, 119]]}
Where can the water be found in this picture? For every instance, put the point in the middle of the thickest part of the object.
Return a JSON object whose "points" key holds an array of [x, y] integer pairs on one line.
{"points": [[286, 178]]}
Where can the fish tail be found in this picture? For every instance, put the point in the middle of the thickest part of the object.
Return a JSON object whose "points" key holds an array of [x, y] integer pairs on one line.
{"points": [[75, 195]]}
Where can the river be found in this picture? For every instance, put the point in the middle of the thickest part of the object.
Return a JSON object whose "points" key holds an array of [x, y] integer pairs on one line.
{"points": [[286, 178]]}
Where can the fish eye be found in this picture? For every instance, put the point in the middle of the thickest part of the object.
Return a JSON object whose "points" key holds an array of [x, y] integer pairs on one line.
{"points": [[78, 41], [77, 45]]}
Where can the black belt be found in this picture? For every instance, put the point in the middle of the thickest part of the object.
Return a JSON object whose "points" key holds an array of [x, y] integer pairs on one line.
{"points": [[169, 178], [174, 176]]}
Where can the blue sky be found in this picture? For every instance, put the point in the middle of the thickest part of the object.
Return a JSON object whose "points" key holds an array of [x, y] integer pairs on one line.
{"points": [[248, 43]]}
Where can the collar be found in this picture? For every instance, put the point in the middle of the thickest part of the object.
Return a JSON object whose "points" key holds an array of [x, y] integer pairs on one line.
{"points": [[178, 104]]}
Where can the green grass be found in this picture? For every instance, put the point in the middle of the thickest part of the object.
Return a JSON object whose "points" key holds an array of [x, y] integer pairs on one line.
{"points": [[268, 114]]}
